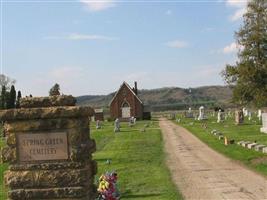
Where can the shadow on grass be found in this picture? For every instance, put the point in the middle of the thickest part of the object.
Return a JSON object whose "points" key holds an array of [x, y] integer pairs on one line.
{"points": [[102, 159], [139, 195]]}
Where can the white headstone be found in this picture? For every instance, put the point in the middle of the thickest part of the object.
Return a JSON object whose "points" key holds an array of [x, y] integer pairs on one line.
{"points": [[117, 125], [264, 123], [98, 125], [245, 111], [259, 114], [249, 115], [219, 117], [201, 113]]}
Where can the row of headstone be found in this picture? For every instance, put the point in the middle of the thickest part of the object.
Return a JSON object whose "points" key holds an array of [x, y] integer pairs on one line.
{"points": [[253, 145]]}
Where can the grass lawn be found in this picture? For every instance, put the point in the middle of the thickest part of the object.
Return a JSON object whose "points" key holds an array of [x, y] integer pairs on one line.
{"points": [[249, 131], [3, 167], [138, 158]]}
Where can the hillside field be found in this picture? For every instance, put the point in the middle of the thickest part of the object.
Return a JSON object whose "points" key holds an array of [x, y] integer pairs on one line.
{"points": [[169, 98]]}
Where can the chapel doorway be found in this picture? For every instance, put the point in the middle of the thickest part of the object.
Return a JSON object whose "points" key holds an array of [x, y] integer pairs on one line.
{"points": [[125, 110]]}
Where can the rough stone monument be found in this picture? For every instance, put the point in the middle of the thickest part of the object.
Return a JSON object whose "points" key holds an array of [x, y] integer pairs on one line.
{"points": [[239, 117], [264, 123], [49, 150]]}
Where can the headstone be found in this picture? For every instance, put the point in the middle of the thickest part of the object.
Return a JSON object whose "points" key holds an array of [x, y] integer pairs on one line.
{"points": [[251, 145], [259, 114], [49, 150], [239, 117], [245, 112], [264, 150], [189, 113], [219, 117], [259, 147], [245, 144], [249, 115], [201, 115], [225, 141], [117, 125], [98, 124], [172, 116], [264, 123]]}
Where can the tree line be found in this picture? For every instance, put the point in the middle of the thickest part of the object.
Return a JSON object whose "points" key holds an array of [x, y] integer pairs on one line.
{"points": [[9, 98]]}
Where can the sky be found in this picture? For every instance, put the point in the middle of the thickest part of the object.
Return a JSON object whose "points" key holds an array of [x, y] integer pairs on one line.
{"points": [[91, 47]]}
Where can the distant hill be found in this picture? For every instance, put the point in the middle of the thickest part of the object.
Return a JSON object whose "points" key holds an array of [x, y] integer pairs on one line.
{"points": [[170, 98]]}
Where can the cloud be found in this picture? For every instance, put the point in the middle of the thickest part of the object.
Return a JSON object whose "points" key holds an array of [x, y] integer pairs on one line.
{"points": [[177, 44], [66, 73], [238, 14], [98, 5], [236, 3], [168, 12], [240, 8], [77, 36], [231, 48]]}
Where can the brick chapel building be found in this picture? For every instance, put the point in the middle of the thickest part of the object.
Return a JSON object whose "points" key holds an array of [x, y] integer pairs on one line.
{"points": [[126, 103]]}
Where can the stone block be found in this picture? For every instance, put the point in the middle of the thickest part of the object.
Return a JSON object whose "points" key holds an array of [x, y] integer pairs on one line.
{"points": [[263, 129], [245, 144], [46, 124], [264, 150], [52, 193], [49, 178], [45, 113], [51, 101], [251, 145], [9, 155], [259, 147], [240, 142]]}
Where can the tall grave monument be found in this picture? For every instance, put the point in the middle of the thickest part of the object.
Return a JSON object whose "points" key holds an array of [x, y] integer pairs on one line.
{"points": [[264, 123], [49, 150], [239, 117]]}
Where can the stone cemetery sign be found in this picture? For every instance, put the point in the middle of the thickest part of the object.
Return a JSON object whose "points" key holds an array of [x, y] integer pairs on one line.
{"points": [[42, 146], [264, 123], [49, 150]]}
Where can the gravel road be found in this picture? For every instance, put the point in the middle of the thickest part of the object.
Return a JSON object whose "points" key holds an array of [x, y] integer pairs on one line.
{"points": [[201, 173]]}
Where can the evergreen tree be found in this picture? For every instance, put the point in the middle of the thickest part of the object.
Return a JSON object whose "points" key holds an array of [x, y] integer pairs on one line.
{"points": [[18, 99], [3, 97], [249, 75], [54, 90], [8, 100], [12, 97]]}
